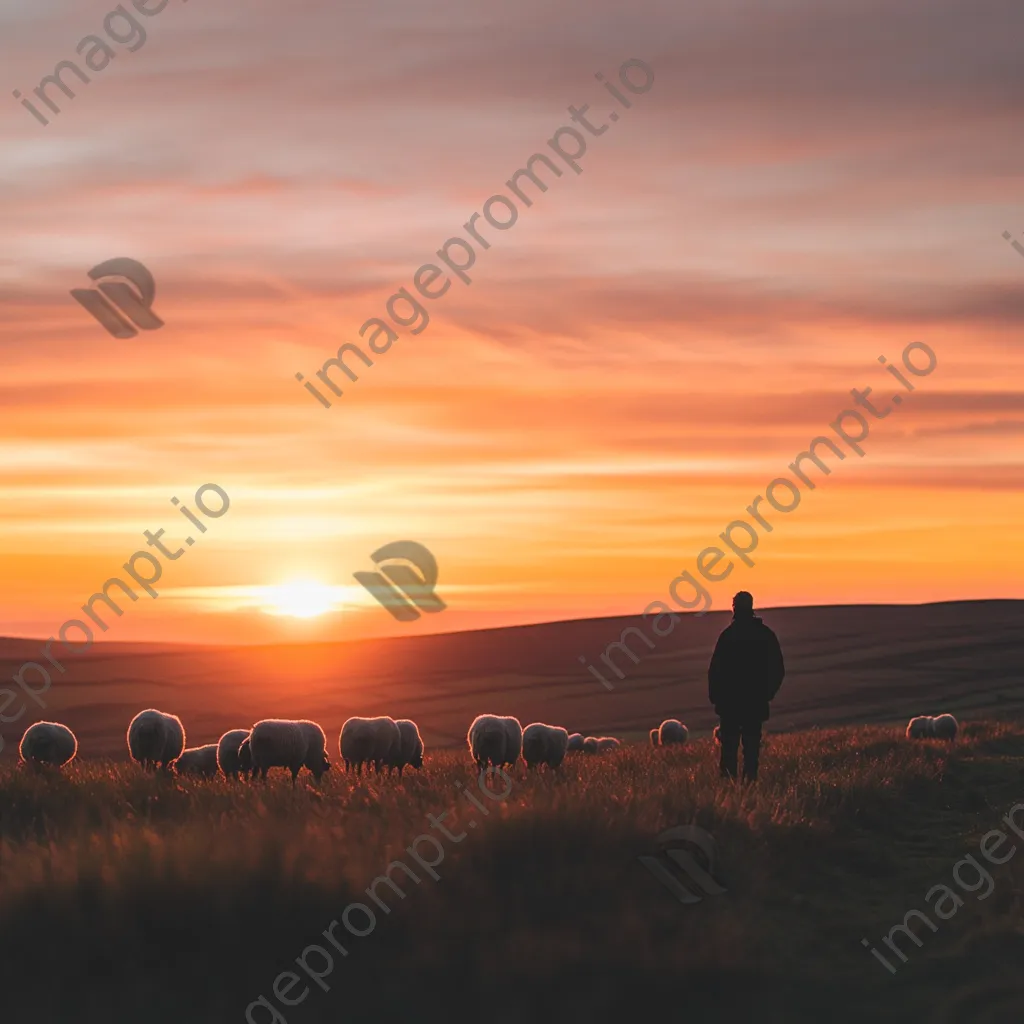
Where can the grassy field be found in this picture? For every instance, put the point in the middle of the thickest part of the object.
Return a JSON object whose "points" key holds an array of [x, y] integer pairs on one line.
{"points": [[127, 897]]}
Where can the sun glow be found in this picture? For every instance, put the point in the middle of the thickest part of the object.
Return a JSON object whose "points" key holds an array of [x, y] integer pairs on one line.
{"points": [[301, 599]]}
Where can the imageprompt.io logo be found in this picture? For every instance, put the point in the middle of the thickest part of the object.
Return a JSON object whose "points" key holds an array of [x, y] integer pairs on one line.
{"points": [[411, 568], [116, 305], [670, 842]]}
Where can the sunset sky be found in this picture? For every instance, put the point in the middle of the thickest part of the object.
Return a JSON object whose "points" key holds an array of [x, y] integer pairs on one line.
{"points": [[806, 186]]}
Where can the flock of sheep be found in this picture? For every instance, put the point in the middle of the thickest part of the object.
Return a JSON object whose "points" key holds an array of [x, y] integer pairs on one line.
{"points": [[157, 739]]}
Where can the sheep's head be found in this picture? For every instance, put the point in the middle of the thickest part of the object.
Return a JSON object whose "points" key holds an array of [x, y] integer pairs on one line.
{"points": [[320, 766], [417, 759]]}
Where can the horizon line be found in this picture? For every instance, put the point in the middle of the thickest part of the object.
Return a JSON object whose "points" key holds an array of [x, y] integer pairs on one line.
{"points": [[519, 625]]}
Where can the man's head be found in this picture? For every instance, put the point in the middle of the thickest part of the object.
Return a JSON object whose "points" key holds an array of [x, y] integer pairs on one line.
{"points": [[742, 605]]}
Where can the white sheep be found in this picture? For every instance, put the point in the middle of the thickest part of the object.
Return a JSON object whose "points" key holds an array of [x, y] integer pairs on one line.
{"points": [[370, 740], [48, 743], [599, 744], [410, 747], [495, 740], [945, 727], [227, 752], [920, 728], [201, 761], [575, 743], [654, 737], [544, 744], [283, 743], [155, 737], [672, 731], [486, 739]]}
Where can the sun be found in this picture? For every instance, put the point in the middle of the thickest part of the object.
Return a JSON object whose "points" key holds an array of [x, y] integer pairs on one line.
{"points": [[301, 599]]}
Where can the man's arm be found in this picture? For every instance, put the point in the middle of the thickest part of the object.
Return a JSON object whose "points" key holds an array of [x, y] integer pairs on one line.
{"points": [[715, 672], [778, 666]]}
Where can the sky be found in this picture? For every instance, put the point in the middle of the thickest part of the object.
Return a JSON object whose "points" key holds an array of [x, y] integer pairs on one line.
{"points": [[804, 188]]}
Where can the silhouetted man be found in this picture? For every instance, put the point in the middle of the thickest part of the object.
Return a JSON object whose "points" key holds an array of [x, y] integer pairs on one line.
{"points": [[745, 673]]}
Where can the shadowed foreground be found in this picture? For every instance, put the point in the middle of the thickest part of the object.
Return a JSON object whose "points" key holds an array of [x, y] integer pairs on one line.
{"points": [[127, 897]]}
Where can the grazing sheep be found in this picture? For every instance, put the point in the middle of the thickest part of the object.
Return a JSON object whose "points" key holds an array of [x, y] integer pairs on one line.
{"points": [[370, 740], [245, 757], [486, 738], [227, 752], [945, 727], [201, 761], [281, 743], [410, 749], [155, 737], [48, 743], [654, 737], [920, 728], [672, 731], [599, 744], [575, 743], [495, 740], [544, 744]]}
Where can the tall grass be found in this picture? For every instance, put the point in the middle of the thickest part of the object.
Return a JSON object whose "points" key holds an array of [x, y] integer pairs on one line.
{"points": [[124, 893]]}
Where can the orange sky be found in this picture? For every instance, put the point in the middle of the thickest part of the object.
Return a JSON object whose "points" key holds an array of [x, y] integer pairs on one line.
{"points": [[801, 191]]}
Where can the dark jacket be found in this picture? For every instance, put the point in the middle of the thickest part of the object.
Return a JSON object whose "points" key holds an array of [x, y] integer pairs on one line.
{"points": [[746, 669]]}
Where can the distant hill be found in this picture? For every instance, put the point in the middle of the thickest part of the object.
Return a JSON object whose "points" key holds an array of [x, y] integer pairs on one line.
{"points": [[845, 664]]}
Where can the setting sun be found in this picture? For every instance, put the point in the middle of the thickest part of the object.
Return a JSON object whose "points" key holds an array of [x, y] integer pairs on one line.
{"points": [[301, 599]]}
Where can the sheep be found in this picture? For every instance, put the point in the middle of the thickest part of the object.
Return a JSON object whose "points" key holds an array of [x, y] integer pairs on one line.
{"points": [[227, 752], [599, 744], [544, 744], [486, 739], [410, 747], [366, 740], [945, 727], [654, 737], [921, 727], [282, 743], [48, 743], [155, 737], [201, 761], [672, 731], [495, 740], [575, 744]]}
